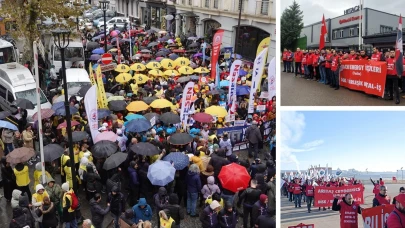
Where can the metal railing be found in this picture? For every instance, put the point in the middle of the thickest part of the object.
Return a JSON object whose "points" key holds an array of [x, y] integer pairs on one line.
{"points": [[263, 7]]}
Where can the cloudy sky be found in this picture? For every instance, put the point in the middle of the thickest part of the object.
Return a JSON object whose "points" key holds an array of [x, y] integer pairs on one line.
{"points": [[313, 9]]}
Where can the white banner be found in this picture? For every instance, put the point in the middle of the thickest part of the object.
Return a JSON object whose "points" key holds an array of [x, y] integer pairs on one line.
{"points": [[233, 79], [258, 67], [271, 79], [186, 102], [90, 103]]}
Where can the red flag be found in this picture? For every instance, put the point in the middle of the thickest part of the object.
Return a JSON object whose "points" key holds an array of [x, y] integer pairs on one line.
{"points": [[324, 31], [216, 47]]}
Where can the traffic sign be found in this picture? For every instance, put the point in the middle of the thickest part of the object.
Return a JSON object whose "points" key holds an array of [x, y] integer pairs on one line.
{"points": [[106, 58]]}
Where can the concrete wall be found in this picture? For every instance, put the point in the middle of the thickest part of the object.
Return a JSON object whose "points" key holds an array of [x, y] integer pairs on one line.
{"points": [[375, 19]]}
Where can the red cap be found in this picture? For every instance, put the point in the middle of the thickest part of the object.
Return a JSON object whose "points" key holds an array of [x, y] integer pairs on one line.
{"points": [[263, 198]]}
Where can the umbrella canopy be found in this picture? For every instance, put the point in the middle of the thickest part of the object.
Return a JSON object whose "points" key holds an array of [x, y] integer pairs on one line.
{"points": [[173, 56], [116, 98], [180, 139], [195, 44], [123, 78], [179, 51], [216, 110], [132, 116], [78, 136], [8, 125], [224, 83], [103, 113], [64, 124], [161, 173], [117, 105], [201, 70], [52, 152], [150, 115], [145, 149], [153, 65], [215, 92], [62, 111], [137, 106], [179, 160], [104, 148], [114, 33], [194, 77], [168, 64], [203, 117], [171, 73], [185, 70], [106, 136], [24, 103], [92, 45], [45, 114], [140, 78], [83, 90], [152, 44], [138, 67], [161, 54], [138, 125], [20, 155], [182, 61], [184, 79], [95, 57], [242, 90], [146, 51], [149, 100], [122, 68], [234, 177], [160, 103], [98, 51], [170, 118], [115, 160], [4, 114], [155, 72]]}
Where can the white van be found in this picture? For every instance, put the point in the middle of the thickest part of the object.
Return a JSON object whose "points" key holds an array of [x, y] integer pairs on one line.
{"points": [[77, 77], [8, 53], [16, 81], [74, 51]]}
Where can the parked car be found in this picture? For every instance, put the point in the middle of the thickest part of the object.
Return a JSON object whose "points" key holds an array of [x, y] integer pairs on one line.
{"points": [[118, 21]]}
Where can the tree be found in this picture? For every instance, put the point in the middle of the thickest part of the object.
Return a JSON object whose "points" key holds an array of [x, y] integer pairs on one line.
{"points": [[291, 25], [29, 14]]}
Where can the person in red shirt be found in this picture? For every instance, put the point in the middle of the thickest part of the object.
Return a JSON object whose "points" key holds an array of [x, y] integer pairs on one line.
{"points": [[376, 56], [392, 78], [381, 198], [290, 59], [397, 216], [297, 193], [285, 56], [304, 66], [352, 55], [348, 209], [363, 55], [290, 191], [309, 65], [335, 70], [309, 192], [315, 64], [298, 59], [328, 65], [382, 182]]}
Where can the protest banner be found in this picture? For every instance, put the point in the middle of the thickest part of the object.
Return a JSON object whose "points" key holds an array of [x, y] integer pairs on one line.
{"points": [[362, 75], [324, 196], [376, 217], [302, 225]]}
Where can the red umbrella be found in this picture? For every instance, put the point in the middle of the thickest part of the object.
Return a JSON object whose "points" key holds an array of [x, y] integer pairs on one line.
{"points": [[179, 51], [203, 117], [64, 124], [45, 114], [234, 177]]}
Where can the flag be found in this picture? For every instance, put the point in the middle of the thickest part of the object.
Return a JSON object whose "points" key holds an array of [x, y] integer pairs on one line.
{"points": [[258, 67], [399, 50], [102, 96], [90, 104], [271, 79], [265, 43], [91, 75], [216, 48], [233, 79], [324, 31], [217, 77], [186, 101]]}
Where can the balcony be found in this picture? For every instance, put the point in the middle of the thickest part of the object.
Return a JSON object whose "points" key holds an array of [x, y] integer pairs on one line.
{"points": [[263, 8]]}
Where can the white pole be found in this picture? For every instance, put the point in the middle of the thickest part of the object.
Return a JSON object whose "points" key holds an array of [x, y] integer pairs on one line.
{"points": [[130, 42], [360, 23], [38, 90]]}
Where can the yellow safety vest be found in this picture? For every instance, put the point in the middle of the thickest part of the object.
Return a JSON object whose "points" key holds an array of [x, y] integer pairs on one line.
{"points": [[165, 223], [40, 197], [67, 195], [37, 176], [22, 177], [63, 161]]}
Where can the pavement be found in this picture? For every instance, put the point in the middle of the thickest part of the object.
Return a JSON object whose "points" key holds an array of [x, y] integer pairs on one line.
{"points": [[302, 92], [291, 216]]}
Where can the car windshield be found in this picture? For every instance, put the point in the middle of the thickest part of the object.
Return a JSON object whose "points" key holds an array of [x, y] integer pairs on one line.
{"points": [[70, 52], [7, 55], [31, 96], [77, 84]]}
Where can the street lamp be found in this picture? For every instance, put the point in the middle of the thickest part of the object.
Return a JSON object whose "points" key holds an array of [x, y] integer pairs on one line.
{"points": [[61, 41], [104, 7]]}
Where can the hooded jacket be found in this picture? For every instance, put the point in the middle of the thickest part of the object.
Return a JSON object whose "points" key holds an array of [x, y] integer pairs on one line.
{"points": [[208, 218], [161, 198], [210, 188], [97, 213], [49, 216], [228, 219], [259, 208], [91, 178], [176, 212], [141, 213], [193, 182], [37, 198], [133, 177], [55, 193], [116, 201], [15, 198]]}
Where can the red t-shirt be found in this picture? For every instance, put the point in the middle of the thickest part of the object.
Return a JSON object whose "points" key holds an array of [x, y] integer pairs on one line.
{"points": [[391, 67], [335, 62], [309, 59], [328, 64], [304, 59], [285, 55], [376, 56], [298, 56]]}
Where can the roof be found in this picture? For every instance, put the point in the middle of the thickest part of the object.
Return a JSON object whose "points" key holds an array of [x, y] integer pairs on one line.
{"points": [[77, 75], [17, 76], [4, 44]]}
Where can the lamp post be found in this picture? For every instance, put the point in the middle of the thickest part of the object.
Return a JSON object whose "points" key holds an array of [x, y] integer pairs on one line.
{"points": [[61, 41], [238, 29], [104, 7]]}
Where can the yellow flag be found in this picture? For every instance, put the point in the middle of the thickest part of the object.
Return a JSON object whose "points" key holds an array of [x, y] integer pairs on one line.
{"points": [[263, 44], [91, 75], [100, 84]]}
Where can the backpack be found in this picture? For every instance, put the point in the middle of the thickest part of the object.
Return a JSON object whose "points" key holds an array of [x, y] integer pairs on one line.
{"points": [[75, 202]]}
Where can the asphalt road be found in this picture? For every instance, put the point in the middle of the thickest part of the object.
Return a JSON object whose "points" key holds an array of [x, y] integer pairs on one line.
{"points": [[301, 92]]}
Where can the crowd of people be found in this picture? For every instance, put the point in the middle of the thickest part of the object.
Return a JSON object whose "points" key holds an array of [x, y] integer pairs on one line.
{"points": [[125, 191]]}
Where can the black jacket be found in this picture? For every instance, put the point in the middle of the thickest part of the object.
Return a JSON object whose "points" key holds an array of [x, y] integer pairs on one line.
{"points": [[176, 212], [228, 219], [250, 196], [49, 216], [97, 213], [217, 162]]}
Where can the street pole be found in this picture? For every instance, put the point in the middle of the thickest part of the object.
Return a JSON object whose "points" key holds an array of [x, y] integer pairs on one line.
{"points": [[105, 31], [38, 91], [238, 30]]}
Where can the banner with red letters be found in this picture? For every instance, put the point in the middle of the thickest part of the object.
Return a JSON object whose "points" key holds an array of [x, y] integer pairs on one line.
{"points": [[376, 217], [302, 225], [363, 75], [324, 196]]}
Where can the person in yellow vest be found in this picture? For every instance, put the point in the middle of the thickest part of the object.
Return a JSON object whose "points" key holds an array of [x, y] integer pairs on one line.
{"points": [[38, 174], [166, 221], [22, 178], [69, 215], [76, 150], [134, 88], [38, 196], [83, 149], [68, 174], [64, 159]]}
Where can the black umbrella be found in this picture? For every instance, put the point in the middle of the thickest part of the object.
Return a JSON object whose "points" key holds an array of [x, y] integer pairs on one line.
{"points": [[180, 139], [149, 100], [52, 152], [145, 51], [192, 51], [115, 160], [104, 148], [183, 79], [78, 136], [150, 115], [194, 77], [92, 45], [150, 31], [109, 47], [195, 44], [24, 103], [170, 118], [215, 92], [117, 105], [146, 149], [161, 54], [4, 114], [152, 44], [83, 90]]}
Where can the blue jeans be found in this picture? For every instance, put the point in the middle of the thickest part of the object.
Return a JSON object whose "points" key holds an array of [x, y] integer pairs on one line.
{"points": [[285, 65], [116, 220], [8, 147], [71, 224], [192, 202], [336, 76], [322, 72], [288, 66], [297, 200], [306, 70]]}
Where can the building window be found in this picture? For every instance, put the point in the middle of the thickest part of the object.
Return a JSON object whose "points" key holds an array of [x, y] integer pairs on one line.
{"points": [[358, 30], [190, 2], [216, 4], [264, 10], [334, 34], [183, 2], [351, 32], [341, 34], [385, 29], [207, 3]]}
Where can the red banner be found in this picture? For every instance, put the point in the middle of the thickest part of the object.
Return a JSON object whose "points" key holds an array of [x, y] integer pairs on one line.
{"points": [[324, 196], [302, 225], [216, 48], [363, 75], [376, 217]]}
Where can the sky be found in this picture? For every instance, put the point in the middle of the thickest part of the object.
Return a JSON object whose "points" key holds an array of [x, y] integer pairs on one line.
{"points": [[313, 9], [370, 140]]}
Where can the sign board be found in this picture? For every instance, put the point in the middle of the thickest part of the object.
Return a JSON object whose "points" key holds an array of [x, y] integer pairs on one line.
{"points": [[153, 121], [106, 58], [261, 108], [239, 123], [376, 217], [302, 225], [324, 196], [108, 67], [352, 10]]}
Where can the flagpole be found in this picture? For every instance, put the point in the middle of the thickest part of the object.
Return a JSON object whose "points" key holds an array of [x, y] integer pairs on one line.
{"points": [[360, 23]]}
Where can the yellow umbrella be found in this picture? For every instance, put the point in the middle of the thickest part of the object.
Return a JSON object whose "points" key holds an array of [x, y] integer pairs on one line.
{"points": [[185, 70], [201, 70], [168, 64], [160, 103], [113, 50], [122, 68], [216, 110], [137, 106], [182, 61], [123, 77], [138, 67], [171, 72], [156, 72], [140, 78], [153, 65], [115, 98]]}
